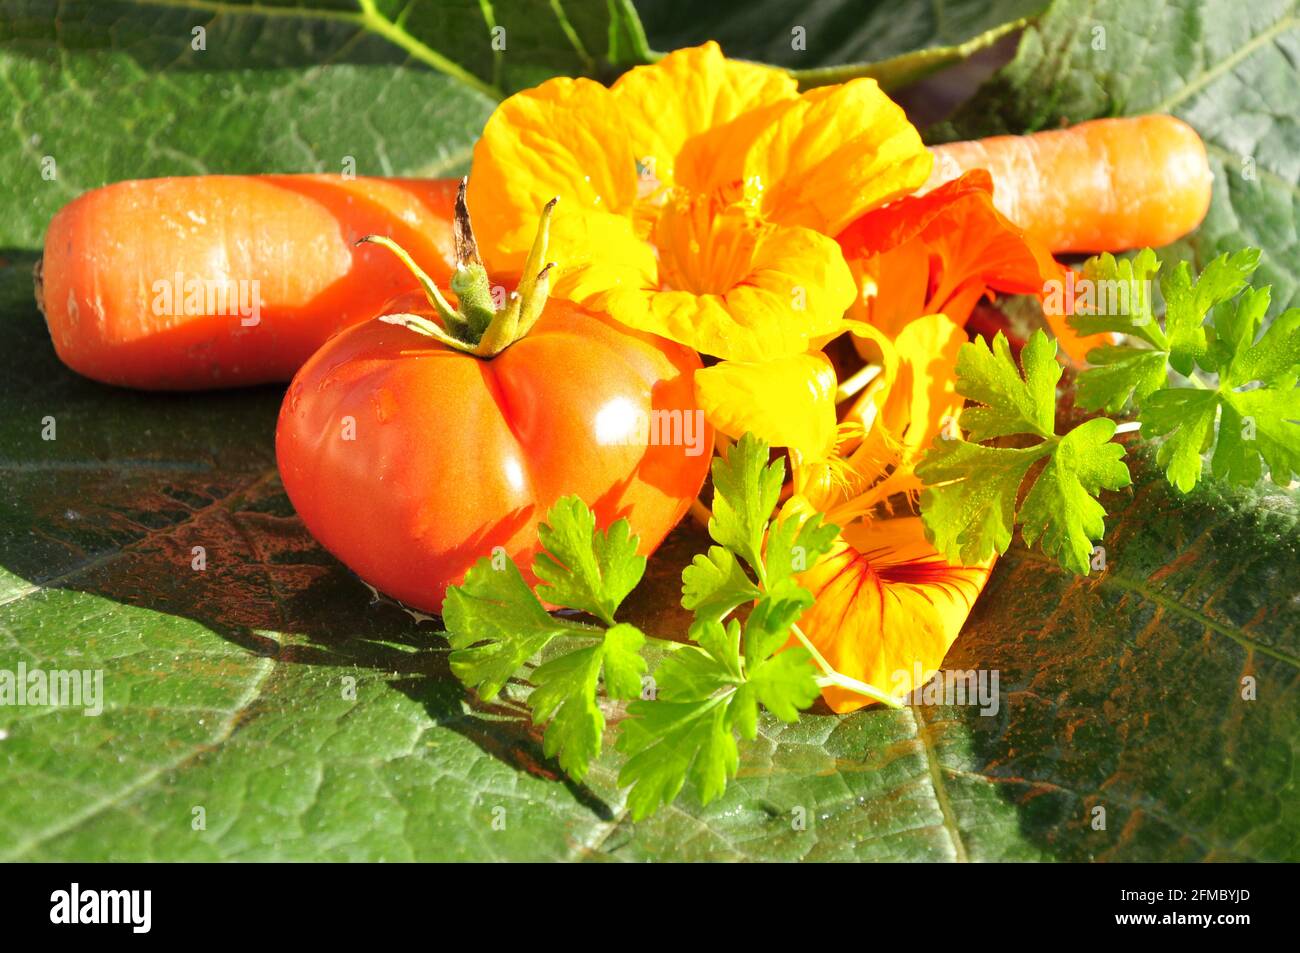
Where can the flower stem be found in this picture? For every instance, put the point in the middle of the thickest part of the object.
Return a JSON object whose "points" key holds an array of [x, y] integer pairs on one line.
{"points": [[832, 677], [860, 688], [820, 659]]}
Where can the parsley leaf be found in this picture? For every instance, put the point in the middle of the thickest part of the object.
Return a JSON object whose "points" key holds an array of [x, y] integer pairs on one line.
{"points": [[565, 695], [746, 489], [1187, 302], [686, 731], [785, 683], [714, 585], [495, 624], [1256, 403], [667, 742], [1120, 375], [1062, 507], [768, 626], [1115, 295], [1013, 404], [1187, 417], [709, 692], [1119, 299], [1248, 418], [969, 504], [795, 543], [695, 673], [582, 567]]}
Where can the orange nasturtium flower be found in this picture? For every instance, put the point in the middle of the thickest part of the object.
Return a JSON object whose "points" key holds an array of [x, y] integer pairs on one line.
{"points": [[912, 259], [698, 196], [887, 602], [941, 252]]}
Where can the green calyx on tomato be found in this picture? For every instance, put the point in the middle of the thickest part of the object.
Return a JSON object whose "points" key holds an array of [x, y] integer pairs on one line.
{"points": [[476, 326]]}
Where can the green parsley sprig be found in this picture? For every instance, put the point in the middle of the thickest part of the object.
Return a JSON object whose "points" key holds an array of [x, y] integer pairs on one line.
{"points": [[704, 694], [1205, 380], [1249, 412]]}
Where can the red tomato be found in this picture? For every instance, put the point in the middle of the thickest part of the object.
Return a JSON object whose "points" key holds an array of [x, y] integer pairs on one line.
{"points": [[410, 460]]}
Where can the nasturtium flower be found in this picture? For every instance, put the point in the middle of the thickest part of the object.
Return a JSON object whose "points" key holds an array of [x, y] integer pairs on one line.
{"points": [[891, 423], [887, 604], [941, 252], [698, 196], [887, 601], [792, 402], [914, 259]]}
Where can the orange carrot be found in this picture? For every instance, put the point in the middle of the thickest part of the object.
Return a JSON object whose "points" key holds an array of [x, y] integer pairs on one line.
{"points": [[1105, 185], [218, 281]]}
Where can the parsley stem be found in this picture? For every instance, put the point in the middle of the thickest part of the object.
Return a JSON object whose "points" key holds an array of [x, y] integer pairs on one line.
{"points": [[668, 645], [1128, 426]]}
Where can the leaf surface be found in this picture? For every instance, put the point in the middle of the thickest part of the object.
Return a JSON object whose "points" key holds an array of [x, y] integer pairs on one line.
{"points": [[832, 40]]}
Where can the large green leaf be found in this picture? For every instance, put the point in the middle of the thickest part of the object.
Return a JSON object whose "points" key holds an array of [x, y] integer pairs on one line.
{"points": [[307, 722], [1229, 69], [115, 89], [828, 41]]}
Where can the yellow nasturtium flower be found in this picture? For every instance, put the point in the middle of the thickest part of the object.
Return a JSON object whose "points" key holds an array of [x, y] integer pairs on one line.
{"points": [[787, 401], [699, 196], [791, 402]]}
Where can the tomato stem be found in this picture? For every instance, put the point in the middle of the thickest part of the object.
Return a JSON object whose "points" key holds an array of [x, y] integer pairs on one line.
{"points": [[470, 280], [476, 326]]}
